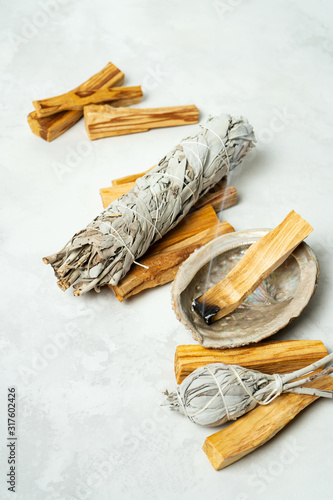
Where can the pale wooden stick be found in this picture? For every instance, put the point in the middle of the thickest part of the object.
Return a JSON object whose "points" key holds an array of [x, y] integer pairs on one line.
{"points": [[267, 357], [129, 178], [164, 263], [107, 121], [51, 127], [221, 200], [202, 219], [76, 100], [258, 426], [262, 258]]}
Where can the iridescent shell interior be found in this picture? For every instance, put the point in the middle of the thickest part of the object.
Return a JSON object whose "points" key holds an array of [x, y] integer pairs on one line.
{"points": [[279, 298]]}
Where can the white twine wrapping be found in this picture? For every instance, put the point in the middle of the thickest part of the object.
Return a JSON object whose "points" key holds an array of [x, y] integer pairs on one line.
{"points": [[104, 251], [217, 393]]}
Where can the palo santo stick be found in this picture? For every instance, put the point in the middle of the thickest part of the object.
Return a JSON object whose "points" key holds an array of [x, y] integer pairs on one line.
{"points": [[258, 426], [262, 258], [198, 221], [163, 265], [107, 121], [267, 357], [76, 100], [51, 127], [129, 178], [223, 199]]}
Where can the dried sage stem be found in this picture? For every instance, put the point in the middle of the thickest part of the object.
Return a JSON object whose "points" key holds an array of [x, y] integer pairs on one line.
{"points": [[217, 393], [104, 251]]}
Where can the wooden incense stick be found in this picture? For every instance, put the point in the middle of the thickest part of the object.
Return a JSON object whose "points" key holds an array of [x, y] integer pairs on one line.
{"points": [[53, 126], [106, 121], [267, 357], [258, 426], [76, 100], [163, 264], [262, 258]]}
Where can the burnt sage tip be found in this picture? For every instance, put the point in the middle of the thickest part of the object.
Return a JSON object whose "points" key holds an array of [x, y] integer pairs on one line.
{"points": [[206, 312]]}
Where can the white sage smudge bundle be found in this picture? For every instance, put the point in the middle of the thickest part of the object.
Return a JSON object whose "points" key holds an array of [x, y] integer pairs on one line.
{"points": [[216, 393], [104, 251]]}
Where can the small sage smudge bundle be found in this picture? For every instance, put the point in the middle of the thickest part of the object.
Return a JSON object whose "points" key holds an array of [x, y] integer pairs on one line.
{"points": [[216, 393], [104, 251]]}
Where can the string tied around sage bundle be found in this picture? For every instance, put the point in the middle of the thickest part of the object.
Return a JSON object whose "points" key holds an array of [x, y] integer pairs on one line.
{"points": [[216, 393], [98, 255]]}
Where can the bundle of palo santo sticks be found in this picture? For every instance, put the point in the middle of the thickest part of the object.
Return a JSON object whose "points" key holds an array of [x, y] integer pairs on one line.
{"points": [[102, 101]]}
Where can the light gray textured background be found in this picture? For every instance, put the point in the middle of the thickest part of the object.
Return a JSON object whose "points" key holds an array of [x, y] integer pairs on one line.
{"points": [[90, 371]]}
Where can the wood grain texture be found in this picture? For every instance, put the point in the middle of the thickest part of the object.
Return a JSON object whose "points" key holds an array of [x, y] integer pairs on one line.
{"points": [[164, 260], [220, 200], [198, 221], [261, 258], [107, 121], [267, 357], [258, 426], [51, 127], [76, 100]]}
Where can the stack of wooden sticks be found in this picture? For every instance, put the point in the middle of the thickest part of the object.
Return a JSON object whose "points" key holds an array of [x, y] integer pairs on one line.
{"points": [[53, 116]]}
